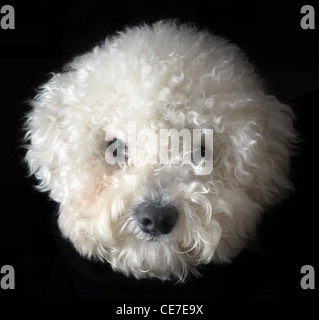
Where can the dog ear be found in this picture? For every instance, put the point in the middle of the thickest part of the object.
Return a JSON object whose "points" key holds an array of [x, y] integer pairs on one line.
{"points": [[262, 147], [279, 145], [46, 141]]}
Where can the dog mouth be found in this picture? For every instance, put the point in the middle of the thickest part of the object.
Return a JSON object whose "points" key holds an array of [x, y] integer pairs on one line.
{"points": [[149, 238]]}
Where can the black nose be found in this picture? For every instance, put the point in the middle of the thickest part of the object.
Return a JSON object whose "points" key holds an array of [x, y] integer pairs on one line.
{"points": [[155, 219]]}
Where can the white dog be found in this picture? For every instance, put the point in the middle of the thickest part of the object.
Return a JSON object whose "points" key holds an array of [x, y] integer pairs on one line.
{"points": [[96, 144]]}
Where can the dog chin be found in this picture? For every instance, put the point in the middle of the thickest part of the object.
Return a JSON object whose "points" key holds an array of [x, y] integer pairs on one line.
{"points": [[153, 259]]}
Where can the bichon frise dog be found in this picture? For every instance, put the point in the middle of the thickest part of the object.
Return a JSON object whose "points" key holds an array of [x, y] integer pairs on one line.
{"points": [[162, 149]]}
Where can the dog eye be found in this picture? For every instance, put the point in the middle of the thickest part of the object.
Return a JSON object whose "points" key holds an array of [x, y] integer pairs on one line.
{"points": [[117, 149]]}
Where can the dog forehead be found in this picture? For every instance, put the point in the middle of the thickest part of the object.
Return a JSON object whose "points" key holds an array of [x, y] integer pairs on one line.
{"points": [[146, 77], [161, 106]]}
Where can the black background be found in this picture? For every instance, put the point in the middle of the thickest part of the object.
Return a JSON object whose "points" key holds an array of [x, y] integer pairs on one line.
{"points": [[49, 34]]}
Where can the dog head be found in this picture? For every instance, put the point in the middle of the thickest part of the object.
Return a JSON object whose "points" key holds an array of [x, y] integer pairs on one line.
{"points": [[162, 149]]}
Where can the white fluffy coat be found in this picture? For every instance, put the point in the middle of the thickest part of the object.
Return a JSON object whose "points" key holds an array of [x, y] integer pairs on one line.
{"points": [[160, 76]]}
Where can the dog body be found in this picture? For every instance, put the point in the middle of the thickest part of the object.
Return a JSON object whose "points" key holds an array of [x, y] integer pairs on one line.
{"points": [[95, 145]]}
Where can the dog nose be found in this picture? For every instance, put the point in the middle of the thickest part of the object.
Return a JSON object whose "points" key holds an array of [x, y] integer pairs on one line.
{"points": [[155, 219]]}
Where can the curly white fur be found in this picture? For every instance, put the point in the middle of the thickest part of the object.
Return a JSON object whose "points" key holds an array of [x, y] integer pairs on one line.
{"points": [[160, 76]]}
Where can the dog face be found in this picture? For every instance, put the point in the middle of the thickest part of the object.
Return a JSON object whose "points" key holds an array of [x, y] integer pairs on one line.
{"points": [[161, 148]]}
